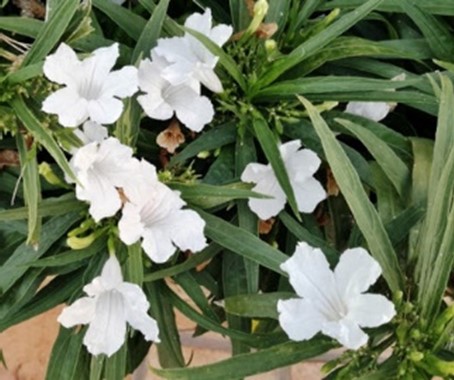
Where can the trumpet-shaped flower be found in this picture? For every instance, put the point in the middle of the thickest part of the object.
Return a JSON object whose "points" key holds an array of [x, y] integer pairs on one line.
{"points": [[154, 213], [333, 302], [92, 91], [162, 99], [111, 303], [189, 58], [102, 168], [300, 165]]}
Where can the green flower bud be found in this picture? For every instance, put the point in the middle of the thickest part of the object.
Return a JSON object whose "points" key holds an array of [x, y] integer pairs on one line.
{"points": [[77, 243]]}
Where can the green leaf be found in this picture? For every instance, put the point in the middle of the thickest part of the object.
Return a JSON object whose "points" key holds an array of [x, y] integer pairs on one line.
{"points": [[32, 188], [253, 340], [437, 33], [434, 241], [441, 7], [250, 364], [242, 242], [16, 265], [316, 43], [43, 136], [169, 350], [207, 196], [135, 264], [362, 209], [393, 167], [127, 20], [70, 257], [150, 32], [115, 366], [47, 207], [51, 32], [256, 305], [269, 145], [68, 359], [247, 220], [240, 15], [23, 26]]}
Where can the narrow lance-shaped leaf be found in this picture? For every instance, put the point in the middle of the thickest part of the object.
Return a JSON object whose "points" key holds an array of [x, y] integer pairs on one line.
{"points": [[242, 242], [437, 34], [365, 214], [249, 364], [32, 188], [150, 32], [51, 31], [39, 132], [393, 167], [316, 43]]}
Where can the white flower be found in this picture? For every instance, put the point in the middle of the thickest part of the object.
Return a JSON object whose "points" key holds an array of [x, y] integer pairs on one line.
{"points": [[300, 165], [90, 132], [374, 111], [333, 302], [162, 98], [111, 302], [189, 58], [102, 168], [154, 213], [92, 90]]}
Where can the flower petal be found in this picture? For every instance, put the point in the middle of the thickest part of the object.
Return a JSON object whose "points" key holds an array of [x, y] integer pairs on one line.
{"points": [[155, 106], [299, 318], [346, 332], [356, 272], [105, 110], [191, 109], [71, 109], [187, 228], [103, 197], [136, 311], [111, 275], [106, 333], [220, 34], [375, 111], [208, 77], [308, 193], [121, 83], [97, 67], [267, 184], [157, 244], [313, 280], [80, 312], [62, 66], [130, 225], [370, 310]]}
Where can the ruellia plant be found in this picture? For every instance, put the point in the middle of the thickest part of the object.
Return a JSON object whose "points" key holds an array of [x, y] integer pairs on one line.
{"points": [[287, 164]]}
